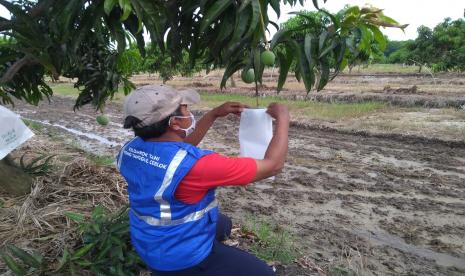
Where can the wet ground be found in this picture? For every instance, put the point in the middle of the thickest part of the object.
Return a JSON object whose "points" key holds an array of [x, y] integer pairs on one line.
{"points": [[370, 205]]}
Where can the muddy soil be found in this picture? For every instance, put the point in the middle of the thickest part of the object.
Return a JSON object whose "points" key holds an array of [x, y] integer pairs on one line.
{"points": [[370, 205]]}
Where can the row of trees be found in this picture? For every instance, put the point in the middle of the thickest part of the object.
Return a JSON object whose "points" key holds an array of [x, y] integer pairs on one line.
{"points": [[441, 48], [156, 61]]}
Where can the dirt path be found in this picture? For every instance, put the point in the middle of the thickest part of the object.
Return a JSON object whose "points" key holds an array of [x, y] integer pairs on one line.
{"points": [[372, 205], [405, 90]]}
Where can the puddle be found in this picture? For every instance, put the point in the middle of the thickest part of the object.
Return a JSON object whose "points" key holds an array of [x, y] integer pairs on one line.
{"points": [[262, 186], [384, 239], [92, 142], [92, 136]]}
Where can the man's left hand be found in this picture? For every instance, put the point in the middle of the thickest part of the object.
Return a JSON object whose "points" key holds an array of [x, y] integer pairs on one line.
{"points": [[228, 108]]}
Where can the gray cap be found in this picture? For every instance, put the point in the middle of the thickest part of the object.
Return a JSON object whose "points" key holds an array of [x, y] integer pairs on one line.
{"points": [[153, 103]]}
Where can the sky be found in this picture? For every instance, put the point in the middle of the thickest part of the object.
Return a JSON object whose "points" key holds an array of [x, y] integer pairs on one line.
{"points": [[412, 12]]}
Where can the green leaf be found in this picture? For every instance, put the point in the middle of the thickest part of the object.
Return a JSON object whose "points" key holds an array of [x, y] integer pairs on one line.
{"points": [[244, 5], [72, 269], [285, 61], [107, 246], [120, 37], [75, 217], [153, 21], [257, 64], [340, 53], [323, 38], [388, 19], [24, 256], [108, 6], [333, 45], [98, 213], [213, 13], [96, 228], [126, 10], [256, 13], [16, 268], [230, 69], [378, 36], [306, 73], [279, 37], [82, 251], [226, 27], [354, 10], [324, 77], [240, 27], [365, 43], [308, 48], [315, 3], [348, 21], [119, 227], [275, 4], [298, 77], [118, 251], [83, 263]]}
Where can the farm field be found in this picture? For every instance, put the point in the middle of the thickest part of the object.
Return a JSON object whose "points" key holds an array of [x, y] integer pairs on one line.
{"points": [[375, 178]]}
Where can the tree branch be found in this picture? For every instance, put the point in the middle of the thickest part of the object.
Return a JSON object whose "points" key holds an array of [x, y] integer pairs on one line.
{"points": [[37, 11], [13, 69]]}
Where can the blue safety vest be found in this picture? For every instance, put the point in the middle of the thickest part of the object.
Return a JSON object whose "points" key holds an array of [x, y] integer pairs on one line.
{"points": [[166, 233]]}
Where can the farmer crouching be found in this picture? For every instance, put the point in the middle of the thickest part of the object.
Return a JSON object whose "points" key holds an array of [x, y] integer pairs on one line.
{"points": [[175, 224]]}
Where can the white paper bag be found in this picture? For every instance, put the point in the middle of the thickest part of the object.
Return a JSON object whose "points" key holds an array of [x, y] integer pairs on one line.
{"points": [[13, 132], [255, 133]]}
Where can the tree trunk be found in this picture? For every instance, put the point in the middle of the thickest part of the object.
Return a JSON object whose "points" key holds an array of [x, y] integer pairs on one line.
{"points": [[233, 83], [13, 180], [419, 68], [350, 68]]}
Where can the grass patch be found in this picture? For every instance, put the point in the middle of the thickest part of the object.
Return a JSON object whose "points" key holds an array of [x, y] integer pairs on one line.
{"points": [[310, 109], [68, 90], [342, 271], [385, 68], [274, 243], [33, 125], [101, 160], [64, 89]]}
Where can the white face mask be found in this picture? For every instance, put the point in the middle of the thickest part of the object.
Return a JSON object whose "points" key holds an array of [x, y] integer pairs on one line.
{"points": [[191, 128]]}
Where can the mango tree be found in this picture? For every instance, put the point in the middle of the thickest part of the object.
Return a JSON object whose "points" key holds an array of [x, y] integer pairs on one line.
{"points": [[87, 40]]}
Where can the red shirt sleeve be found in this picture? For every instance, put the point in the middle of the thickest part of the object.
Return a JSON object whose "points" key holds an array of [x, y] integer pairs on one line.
{"points": [[215, 170]]}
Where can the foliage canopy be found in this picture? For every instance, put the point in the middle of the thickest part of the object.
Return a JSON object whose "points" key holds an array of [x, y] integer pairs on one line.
{"points": [[441, 48], [87, 40]]}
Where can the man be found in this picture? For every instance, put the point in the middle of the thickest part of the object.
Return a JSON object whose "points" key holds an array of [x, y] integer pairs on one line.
{"points": [[174, 220]]}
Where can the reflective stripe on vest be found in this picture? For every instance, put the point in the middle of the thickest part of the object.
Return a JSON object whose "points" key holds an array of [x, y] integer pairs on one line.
{"points": [[168, 222], [165, 210]]}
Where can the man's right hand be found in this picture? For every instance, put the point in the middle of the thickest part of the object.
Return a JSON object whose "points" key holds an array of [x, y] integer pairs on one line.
{"points": [[278, 111]]}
